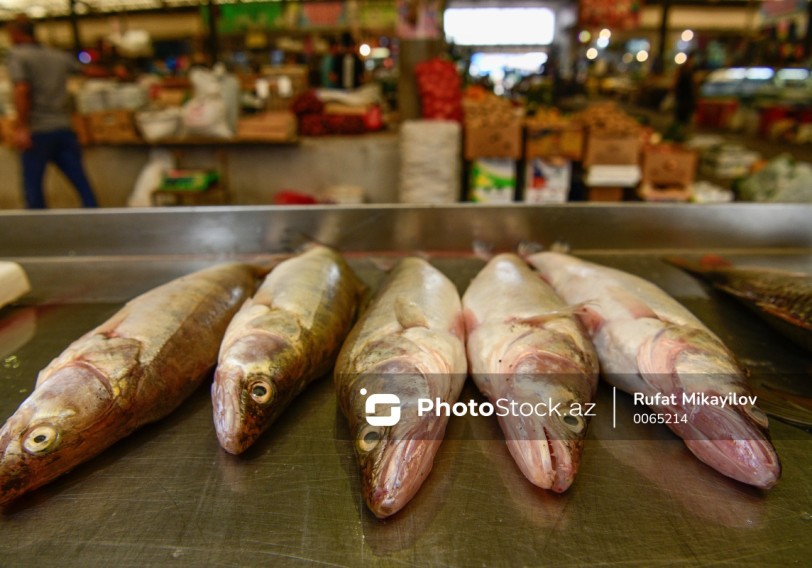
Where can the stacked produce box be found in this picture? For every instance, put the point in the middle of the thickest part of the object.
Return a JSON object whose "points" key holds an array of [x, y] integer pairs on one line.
{"points": [[552, 143], [492, 145]]}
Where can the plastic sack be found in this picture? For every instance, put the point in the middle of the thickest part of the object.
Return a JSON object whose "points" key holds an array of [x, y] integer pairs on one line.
{"points": [[206, 113], [158, 124], [149, 179]]}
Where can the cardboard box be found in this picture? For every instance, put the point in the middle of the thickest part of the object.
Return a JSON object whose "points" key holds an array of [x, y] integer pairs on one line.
{"points": [[647, 192], [605, 194], [268, 127], [82, 129], [612, 149], [547, 181], [492, 180], [112, 127], [555, 142], [491, 140], [668, 166]]}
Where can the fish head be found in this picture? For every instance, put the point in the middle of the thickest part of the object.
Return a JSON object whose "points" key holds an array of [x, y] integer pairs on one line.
{"points": [[54, 429], [550, 408], [731, 438], [252, 388], [395, 442]]}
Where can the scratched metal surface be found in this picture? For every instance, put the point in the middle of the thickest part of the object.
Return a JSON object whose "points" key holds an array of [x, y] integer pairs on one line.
{"points": [[168, 495]]}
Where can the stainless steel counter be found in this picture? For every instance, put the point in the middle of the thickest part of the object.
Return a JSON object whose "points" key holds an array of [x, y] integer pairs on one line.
{"points": [[169, 496]]}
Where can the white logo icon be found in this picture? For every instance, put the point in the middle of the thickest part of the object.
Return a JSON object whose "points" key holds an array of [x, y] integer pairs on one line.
{"points": [[377, 399]]}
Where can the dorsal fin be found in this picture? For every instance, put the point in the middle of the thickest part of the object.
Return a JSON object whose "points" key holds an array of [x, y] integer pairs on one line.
{"points": [[409, 314]]}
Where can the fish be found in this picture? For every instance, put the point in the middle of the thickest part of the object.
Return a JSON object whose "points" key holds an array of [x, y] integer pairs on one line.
{"points": [[649, 344], [135, 368], [782, 298], [409, 344], [281, 340], [526, 346]]}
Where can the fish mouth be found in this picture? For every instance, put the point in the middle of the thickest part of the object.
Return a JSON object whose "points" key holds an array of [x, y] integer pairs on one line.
{"points": [[548, 457], [396, 469], [236, 429], [404, 466], [729, 441]]}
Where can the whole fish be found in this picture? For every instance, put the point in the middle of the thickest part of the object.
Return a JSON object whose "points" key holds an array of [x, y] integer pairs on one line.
{"points": [[281, 340], [135, 368], [782, 298], [525, 346], [408, 345], [648, 343]]}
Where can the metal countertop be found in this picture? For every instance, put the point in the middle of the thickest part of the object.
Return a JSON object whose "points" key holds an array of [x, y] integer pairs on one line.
{"points": [[168, 495]]}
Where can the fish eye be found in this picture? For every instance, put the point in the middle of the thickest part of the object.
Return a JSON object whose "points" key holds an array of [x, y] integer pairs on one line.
{"points": [[368, 439], [40, 439], [574, 423], [261, 391]]}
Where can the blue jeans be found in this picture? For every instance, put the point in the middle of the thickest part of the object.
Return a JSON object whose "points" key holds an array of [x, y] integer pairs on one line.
{"points": [[62, 148]]}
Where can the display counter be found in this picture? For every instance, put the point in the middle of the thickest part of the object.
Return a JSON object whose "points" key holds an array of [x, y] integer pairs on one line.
{"points": [[168, 495], [255, 171]]}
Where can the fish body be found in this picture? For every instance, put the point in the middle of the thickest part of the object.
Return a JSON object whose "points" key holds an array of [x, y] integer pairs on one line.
{"points": [[408, 344], [281, 340], [781, 297], [135, 368], [524, 345], [650, 344]]}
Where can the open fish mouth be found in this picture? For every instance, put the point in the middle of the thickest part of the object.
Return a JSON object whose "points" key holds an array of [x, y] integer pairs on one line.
{"points": [[546, 456], [728, 440], [404, 466]]}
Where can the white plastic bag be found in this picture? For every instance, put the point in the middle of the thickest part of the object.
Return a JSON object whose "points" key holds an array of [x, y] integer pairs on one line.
{"points": [[205, 114], [149, 179]]}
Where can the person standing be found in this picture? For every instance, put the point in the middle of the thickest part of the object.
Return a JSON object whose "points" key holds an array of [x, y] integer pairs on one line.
{"points": [[43, 130], [348, 68], [685, 94]]}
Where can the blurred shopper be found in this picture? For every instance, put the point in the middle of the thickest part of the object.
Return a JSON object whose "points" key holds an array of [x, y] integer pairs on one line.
{"points": [[329, 79], [43, 128], [348, 69], [684, 97]]}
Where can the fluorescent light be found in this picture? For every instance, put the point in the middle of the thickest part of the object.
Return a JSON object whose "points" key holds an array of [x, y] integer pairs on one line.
{"points": [[499, 26]]}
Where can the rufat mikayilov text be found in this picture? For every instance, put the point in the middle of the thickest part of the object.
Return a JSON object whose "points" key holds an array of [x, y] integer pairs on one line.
{"points": [[503, 407], [695, 399]]}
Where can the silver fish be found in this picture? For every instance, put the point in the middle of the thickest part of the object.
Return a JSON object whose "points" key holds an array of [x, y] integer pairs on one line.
{"points": [[650, 344], [409, 344], [135, 368], [281, 340], [525, 346]]}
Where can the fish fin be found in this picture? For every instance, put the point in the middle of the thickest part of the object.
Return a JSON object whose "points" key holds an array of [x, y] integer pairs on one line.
{"points": [[703, 268], [261, 268], [637, 308], [298, 241], [483, 250], [529, 248], [775, 311], [384, 264], [714, 262], [409, 314], [560, 247], [590, 318]]}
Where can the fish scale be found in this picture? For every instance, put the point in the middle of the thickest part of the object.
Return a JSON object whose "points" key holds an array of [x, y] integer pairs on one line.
{"points": [[648, 343], [408, 344], [281, 340], [133, 369]]}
